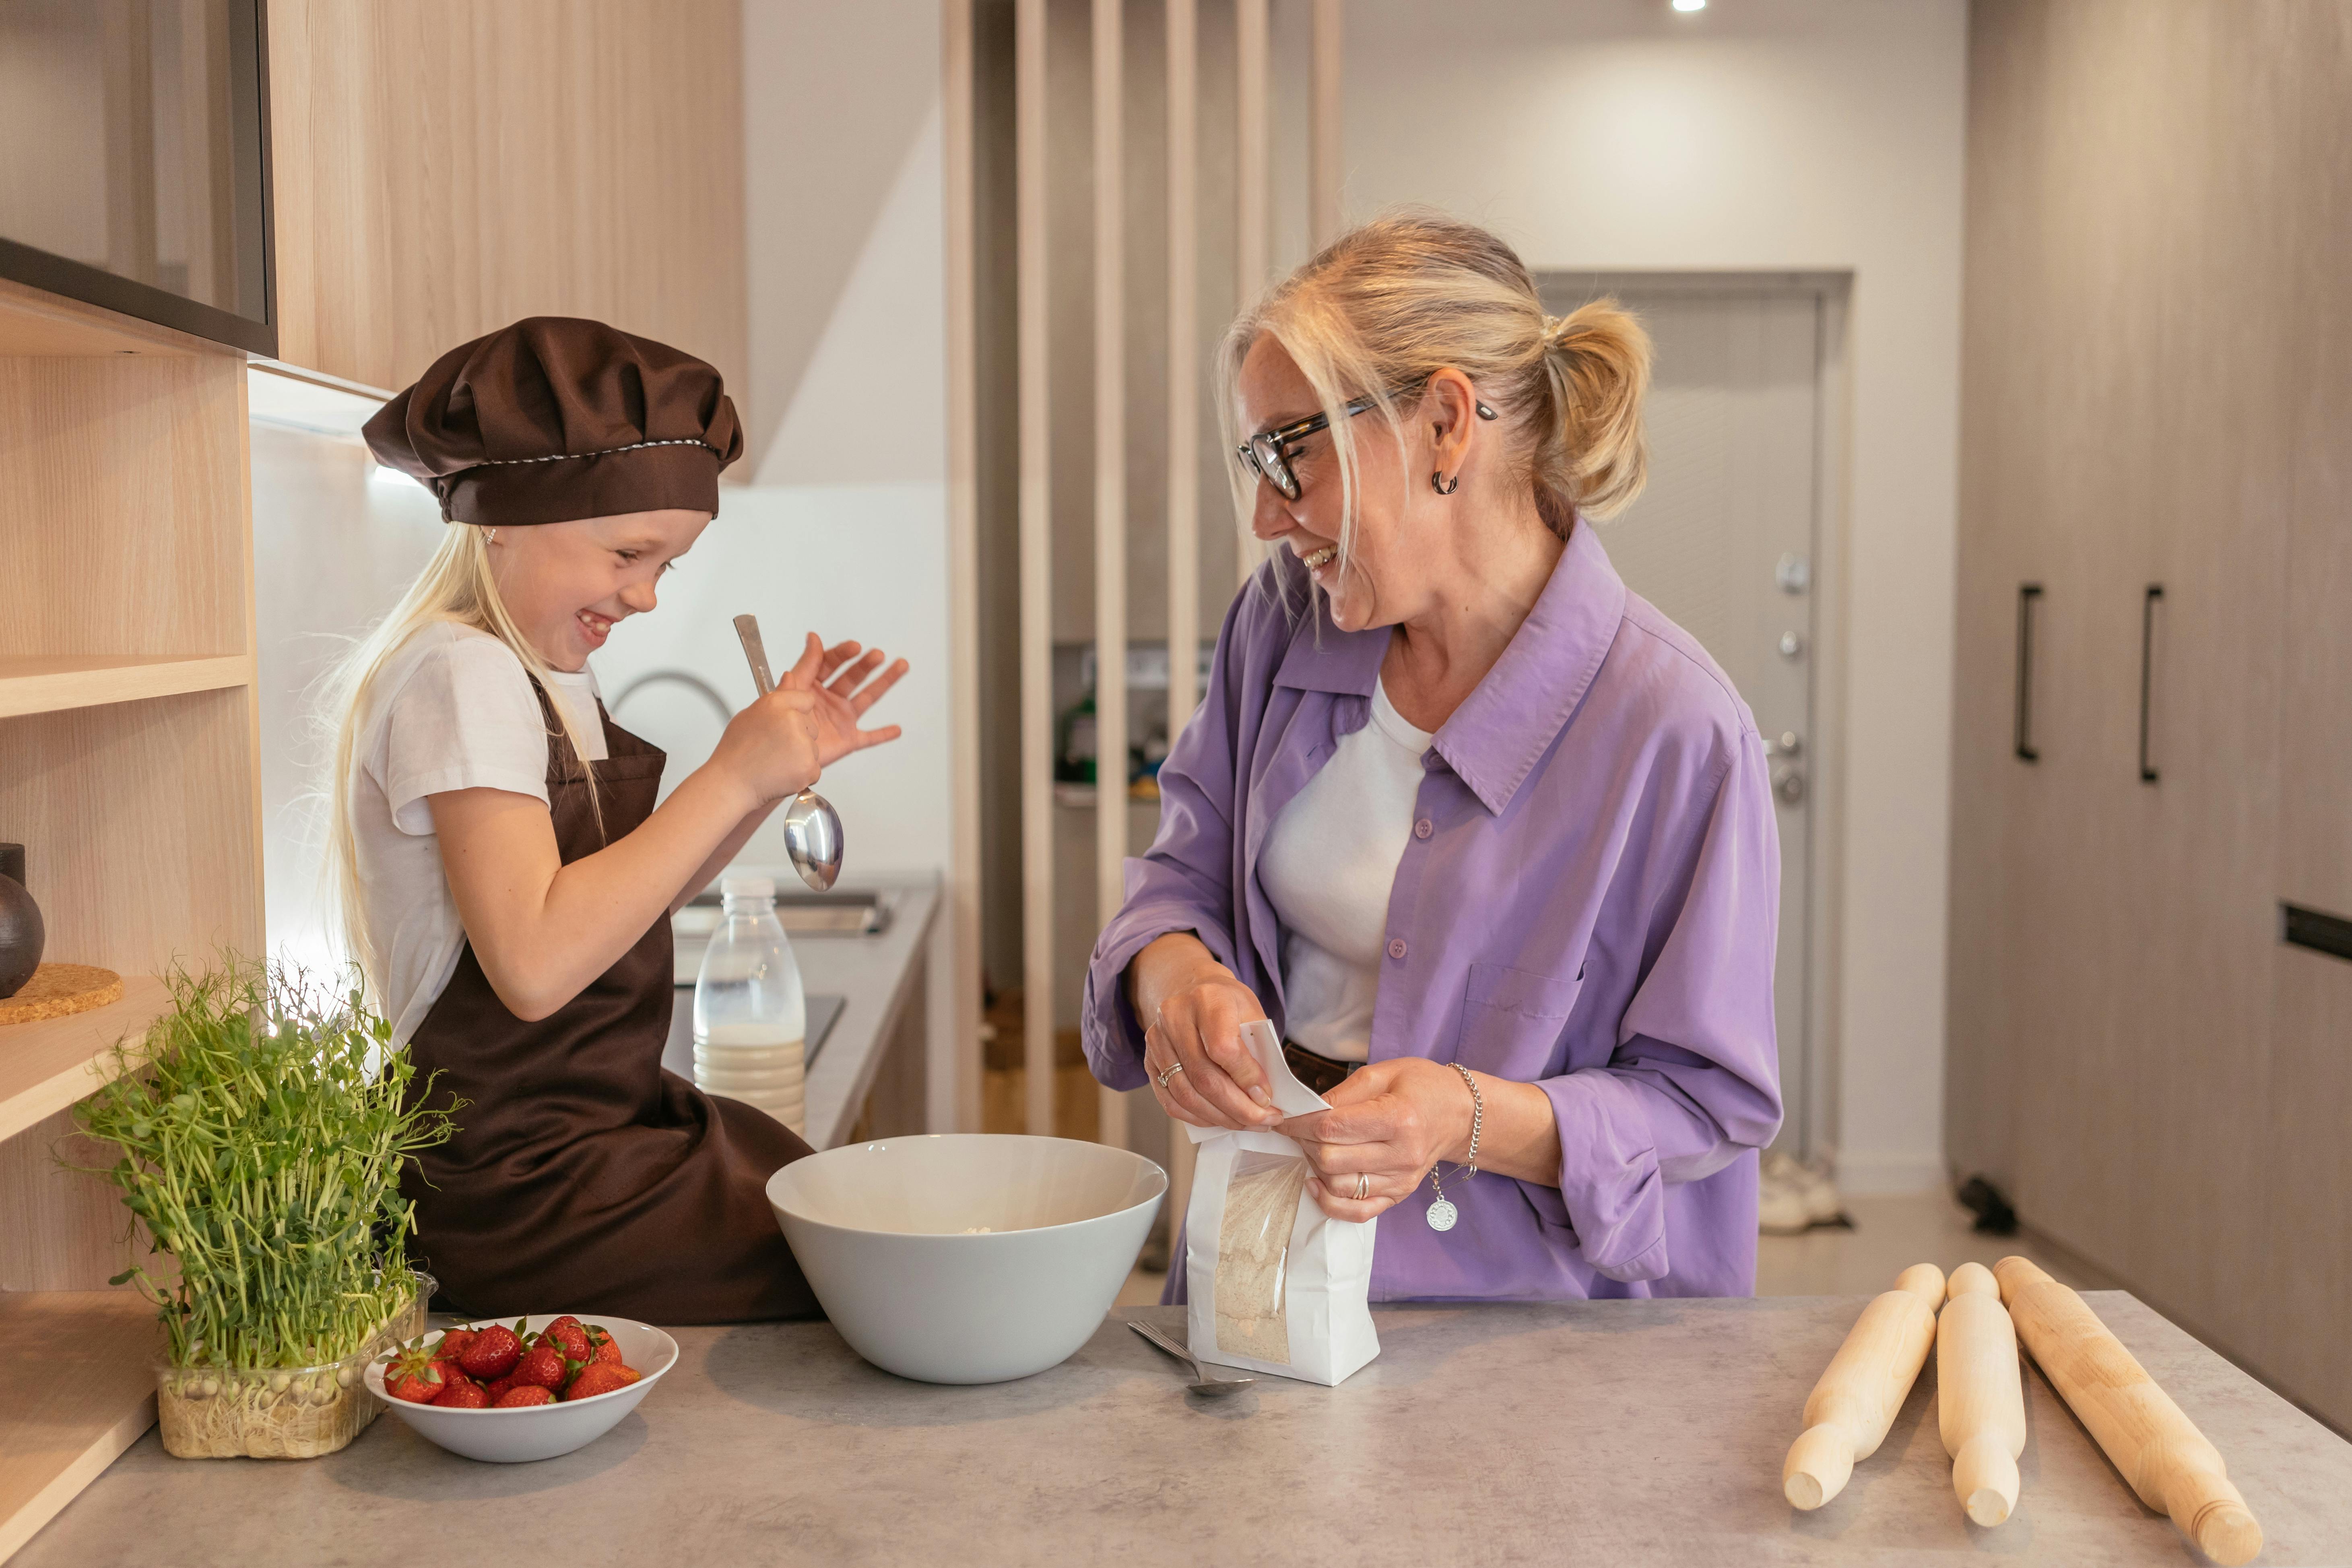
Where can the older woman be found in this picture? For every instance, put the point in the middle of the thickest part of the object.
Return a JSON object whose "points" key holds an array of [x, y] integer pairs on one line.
{"points": [[1489, 838]]}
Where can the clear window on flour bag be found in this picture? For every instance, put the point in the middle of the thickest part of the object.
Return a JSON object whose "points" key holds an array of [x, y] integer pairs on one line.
{"points": [[1261, 1199]]}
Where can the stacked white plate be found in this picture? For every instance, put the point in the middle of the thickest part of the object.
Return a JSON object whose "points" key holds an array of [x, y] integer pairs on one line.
{"points": [[769, 1076]]}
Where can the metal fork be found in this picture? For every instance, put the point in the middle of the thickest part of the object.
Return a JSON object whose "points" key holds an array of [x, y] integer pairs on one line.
{"points": [[1202, 1385]]}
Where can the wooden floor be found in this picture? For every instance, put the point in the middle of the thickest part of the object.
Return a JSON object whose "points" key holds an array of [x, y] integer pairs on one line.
{"points": [[1003, 1101], [1889, 1235]]}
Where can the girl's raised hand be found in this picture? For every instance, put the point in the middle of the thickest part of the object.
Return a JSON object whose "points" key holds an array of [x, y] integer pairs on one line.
{"points": [[771, 747], [844, 686]]}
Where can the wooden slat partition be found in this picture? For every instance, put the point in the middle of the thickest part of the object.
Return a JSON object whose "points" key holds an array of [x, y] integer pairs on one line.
{"points": [[1252, 244], [957, 112], [1323, 165], [1184, 436], [1046, 981], [1110, 489], [1036, 572]]}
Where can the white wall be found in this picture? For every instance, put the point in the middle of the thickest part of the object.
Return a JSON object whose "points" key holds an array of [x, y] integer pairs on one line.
{"points": [[1759, 135], [332, 551], [861, 561]]}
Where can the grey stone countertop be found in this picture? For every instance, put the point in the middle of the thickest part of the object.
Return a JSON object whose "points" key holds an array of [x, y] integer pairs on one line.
{"points": [[1640, 1432]]}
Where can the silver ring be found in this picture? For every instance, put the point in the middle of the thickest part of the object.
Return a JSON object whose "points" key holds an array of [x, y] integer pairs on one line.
{"points": [[1173, 1068], [1364, 1185]]}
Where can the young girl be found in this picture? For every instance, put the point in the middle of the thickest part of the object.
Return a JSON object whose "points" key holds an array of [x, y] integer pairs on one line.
{"points": [[507, 879]]}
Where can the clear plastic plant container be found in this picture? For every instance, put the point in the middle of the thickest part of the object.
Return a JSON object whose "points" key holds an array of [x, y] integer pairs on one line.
{"points": [[211, 1411]]}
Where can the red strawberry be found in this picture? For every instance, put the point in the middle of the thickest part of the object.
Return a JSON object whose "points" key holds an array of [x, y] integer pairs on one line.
{"points": [[453, 1343], [493, 1352], [602, 1377], [414, 1376], [496, 1388], [571, 1334], [524, 1394], [543, 1365], [464, 1394], [601, 1346]]}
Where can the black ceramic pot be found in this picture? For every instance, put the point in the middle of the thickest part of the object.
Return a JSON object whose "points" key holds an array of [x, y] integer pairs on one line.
{"points": [[21, 934]]}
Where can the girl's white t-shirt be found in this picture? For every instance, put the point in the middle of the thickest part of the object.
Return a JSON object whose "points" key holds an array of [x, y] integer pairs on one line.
{"points": [[1328, 863], [451, 709]]}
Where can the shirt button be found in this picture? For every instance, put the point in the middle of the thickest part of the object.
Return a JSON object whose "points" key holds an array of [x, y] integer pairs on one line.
{"points": [[1396, 947], [1423, 828]]}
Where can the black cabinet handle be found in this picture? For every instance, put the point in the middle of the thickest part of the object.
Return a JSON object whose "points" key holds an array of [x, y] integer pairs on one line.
{"points": [[2026, 593], [2147, 673]]}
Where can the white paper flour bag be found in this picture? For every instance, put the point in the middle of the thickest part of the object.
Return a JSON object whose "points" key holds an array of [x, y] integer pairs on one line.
{"points": [[1276, 1286]]}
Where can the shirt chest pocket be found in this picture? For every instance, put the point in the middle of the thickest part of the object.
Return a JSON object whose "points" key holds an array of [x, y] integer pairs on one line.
{"points": [[1513, 1018]]}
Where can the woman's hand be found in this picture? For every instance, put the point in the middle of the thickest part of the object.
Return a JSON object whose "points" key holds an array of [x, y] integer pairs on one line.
{"points": [[1193, 1010], [1390, 1121], [842, 695]]}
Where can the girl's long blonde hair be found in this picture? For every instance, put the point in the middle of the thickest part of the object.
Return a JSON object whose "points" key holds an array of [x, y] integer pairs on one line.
{"points": [[457, 586], [1384, 307]]}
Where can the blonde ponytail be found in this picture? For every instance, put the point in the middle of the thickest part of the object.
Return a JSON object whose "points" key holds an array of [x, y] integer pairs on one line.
{"points": [[1384, 307], [457, 586], [1595, 458]]}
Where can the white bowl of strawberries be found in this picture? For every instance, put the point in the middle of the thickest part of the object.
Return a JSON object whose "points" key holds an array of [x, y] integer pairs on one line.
{"points": [[531, 1389]]}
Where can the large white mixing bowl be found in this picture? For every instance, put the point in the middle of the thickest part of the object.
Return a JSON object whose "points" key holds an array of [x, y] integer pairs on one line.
{"points": [[967, 1258]]}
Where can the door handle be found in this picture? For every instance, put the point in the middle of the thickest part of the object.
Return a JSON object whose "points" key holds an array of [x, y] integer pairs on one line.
{"points": [[2147, 673], [2028, 594]]}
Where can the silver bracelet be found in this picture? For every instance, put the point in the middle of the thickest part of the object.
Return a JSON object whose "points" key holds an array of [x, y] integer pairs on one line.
{"points": [[1478, 1116], [1441, 1213]]}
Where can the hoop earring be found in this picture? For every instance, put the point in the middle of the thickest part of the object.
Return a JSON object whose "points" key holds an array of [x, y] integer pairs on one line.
{"points": [[1443, 485]]}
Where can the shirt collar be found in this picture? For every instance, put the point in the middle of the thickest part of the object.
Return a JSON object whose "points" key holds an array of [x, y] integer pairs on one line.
{"points": [[1493, 739], [1513, 716]]}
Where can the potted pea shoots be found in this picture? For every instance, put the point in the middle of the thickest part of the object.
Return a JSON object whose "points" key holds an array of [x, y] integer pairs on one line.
{"points": [[263, 1123]]}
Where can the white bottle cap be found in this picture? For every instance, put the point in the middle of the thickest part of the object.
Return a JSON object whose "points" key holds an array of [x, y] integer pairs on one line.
{"points": [[747, 886]]}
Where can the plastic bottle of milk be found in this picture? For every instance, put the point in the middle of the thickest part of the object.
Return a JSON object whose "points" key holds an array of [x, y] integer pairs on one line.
{"points": [[751, 1018]]}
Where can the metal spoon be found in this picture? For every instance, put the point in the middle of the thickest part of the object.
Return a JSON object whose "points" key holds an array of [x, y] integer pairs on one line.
{"points": [[1202, 1385], [812, 827]]}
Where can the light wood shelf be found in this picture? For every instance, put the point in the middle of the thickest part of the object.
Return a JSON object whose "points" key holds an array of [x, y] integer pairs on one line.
{"points": [[47, 1066], [130, 768], [78, 1382], [36, 683]]}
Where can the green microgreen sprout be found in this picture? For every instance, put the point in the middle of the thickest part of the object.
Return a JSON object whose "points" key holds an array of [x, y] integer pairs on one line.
{"points": [[264, 1121]]}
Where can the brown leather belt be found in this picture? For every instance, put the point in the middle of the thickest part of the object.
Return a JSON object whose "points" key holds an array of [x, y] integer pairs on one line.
{"points": [[1319, 1073]]}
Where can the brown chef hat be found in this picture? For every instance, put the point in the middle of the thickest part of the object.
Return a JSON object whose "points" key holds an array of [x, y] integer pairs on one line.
{"points": [[554, 418]]}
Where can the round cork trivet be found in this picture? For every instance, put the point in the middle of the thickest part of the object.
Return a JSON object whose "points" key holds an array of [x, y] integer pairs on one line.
{"points": [[57, 989]]}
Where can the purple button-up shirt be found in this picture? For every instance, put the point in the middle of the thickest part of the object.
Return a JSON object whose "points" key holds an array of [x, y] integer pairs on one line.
{"points": [[1592, 909]]}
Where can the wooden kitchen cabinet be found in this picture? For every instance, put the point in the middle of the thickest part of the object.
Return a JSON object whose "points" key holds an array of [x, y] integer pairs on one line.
{"points": [[443, 167], [2308, 1179], [2154, 398], [130, 769]]}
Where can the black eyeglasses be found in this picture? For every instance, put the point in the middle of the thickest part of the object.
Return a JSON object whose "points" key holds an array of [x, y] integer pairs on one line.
{"points": [[1266, 457]]}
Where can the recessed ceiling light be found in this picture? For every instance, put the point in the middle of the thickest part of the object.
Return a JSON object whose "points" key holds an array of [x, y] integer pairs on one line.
{"points": [[1690, 4]]}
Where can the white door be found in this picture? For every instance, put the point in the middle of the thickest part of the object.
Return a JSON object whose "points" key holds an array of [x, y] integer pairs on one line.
{"points": [[1722, 541]]}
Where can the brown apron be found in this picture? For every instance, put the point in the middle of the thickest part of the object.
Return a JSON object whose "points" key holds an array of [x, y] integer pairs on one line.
{"points": [[584, 1178]]}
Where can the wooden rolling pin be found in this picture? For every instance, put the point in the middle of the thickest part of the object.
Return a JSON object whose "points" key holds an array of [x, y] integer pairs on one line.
{"points": [[2159, 1450], [1979, 1395], [1865, 1384]]}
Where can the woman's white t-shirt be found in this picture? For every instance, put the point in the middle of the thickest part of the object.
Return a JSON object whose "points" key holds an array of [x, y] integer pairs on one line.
{"points": [[451, 709], [1327, 866]]}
